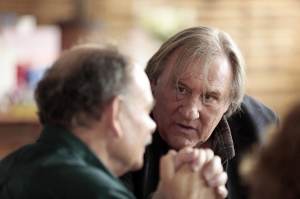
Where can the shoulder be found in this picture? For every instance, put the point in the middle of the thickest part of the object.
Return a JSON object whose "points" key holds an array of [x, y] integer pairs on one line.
{"points": [[41, 171], [253, 117], [82, 182], [258, 111], [249, 124]]}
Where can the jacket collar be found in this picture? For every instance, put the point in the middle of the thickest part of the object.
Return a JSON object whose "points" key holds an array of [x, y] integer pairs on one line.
{"points": [[62, 138], [222, 142]]}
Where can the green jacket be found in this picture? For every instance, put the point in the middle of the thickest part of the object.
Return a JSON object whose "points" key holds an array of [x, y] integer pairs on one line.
{"points": [[58, 166]]}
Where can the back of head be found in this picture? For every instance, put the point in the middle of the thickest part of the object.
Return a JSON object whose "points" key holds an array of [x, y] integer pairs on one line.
{"points": [[79, 84], [274, 168], [204, 43]]}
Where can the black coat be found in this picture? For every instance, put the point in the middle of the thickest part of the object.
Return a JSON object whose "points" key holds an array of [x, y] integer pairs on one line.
{"points": [[247, 128]]}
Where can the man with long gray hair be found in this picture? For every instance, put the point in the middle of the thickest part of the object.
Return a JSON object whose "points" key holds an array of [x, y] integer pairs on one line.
{"points": [[198, 82]]}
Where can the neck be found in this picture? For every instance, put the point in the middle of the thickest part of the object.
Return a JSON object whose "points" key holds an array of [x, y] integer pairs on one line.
{"points": [[98, 143]]}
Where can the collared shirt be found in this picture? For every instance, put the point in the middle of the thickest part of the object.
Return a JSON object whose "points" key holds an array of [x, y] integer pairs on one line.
{"points": [[60, 166]]}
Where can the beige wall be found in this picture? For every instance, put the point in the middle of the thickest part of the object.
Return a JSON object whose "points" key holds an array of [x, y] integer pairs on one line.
{"points": [[267, 32]]}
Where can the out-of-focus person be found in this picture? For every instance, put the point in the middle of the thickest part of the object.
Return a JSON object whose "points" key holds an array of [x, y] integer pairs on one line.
{"points": [[272, 171]]}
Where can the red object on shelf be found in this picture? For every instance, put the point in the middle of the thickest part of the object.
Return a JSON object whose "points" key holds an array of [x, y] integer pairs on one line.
{"points": [[22, 71]]}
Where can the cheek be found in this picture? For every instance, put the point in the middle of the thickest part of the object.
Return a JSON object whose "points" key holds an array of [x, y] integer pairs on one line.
{"points": [[210, 121], [164, 113], [166, 104], [165, 108]]}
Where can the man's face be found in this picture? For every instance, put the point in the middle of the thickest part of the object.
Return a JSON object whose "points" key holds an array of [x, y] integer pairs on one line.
{"points": [[189, 106], [137, 124]]}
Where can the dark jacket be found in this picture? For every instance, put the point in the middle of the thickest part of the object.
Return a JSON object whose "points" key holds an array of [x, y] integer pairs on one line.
{"points": [[58, 166], [244, 128], [248, 127]]}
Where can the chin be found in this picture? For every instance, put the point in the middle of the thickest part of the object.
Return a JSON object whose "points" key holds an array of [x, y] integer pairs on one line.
{"points": [[178, 145], [137, 165], [136, 159]]}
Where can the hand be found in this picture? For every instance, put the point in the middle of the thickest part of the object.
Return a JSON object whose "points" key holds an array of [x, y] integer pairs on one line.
{"points": [[182, 182], [211, 167], [215, 176], [213, 173]]}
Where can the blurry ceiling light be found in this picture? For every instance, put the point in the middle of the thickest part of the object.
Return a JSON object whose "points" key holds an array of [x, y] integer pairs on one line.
{"points": [[165, 21], [26, 24]]}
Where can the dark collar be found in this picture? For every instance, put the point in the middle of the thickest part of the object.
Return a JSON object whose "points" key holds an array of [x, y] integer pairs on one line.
{"points": [[61, 138], [222, 142]]}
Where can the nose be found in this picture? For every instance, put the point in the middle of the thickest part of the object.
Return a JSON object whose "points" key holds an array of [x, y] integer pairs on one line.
{"points": [[152, 125], [191, 110]]}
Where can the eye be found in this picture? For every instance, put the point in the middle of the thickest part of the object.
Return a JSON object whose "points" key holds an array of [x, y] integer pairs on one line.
{"points": [[209, 98], [181, 89]]}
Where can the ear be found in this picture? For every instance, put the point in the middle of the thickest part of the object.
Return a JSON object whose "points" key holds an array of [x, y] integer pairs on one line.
{"points": [[113, 112]]}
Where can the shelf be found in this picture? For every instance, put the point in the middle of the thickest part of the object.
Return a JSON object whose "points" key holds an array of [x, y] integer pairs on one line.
{"points": [[8, 119]]}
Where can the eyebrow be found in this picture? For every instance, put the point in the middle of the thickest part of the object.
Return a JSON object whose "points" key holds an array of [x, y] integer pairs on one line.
{"points": [[179, 82], [209, 90], [215, 92]]}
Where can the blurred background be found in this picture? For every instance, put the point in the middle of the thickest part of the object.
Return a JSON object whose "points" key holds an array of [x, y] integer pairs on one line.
{"points": [[34, 32]]}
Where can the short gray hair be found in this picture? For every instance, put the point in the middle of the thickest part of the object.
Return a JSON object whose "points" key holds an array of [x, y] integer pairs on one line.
{"points": [[205, 43], [78, 86]]}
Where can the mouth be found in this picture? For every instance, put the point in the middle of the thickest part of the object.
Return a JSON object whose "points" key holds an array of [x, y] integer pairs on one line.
{"points": [[186, 128]]}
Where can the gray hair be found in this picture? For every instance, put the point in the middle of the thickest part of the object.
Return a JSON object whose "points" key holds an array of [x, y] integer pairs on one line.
{"points": [[204, 43], [78, 86]]}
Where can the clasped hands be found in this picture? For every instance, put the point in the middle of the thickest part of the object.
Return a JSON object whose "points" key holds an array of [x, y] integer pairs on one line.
{"points": [[191, 174]]}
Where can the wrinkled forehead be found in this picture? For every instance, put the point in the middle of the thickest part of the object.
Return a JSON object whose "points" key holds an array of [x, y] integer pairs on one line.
{"points": [[183, 59]]}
